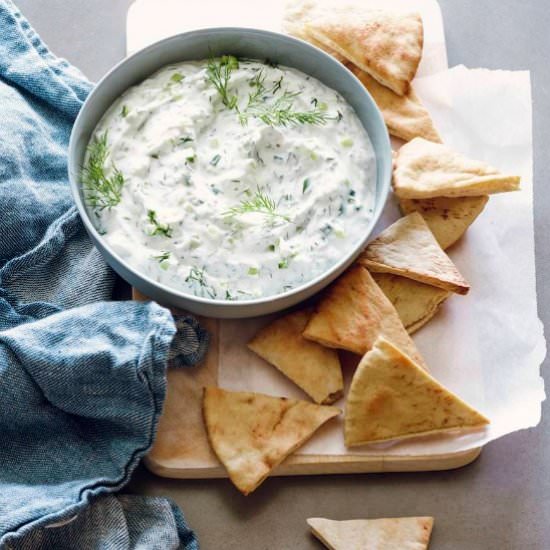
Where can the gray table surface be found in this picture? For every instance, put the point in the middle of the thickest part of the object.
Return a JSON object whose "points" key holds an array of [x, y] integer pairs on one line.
{"points": [[500, 502]]}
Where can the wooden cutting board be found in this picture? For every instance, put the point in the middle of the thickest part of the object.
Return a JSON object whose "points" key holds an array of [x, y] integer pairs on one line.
{"points": [[181, 449]]}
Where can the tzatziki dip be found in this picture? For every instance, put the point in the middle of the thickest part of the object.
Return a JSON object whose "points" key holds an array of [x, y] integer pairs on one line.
{"points": [[230, 179]]}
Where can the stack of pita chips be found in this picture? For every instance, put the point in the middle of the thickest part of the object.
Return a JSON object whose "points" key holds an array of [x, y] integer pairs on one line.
{"points": [[412, 270], [447, 191], [382, 48], [373, 534], [353, 312]]}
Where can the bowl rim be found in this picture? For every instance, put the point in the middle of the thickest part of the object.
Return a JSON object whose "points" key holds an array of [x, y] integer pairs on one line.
{"points": [[75, 185]]}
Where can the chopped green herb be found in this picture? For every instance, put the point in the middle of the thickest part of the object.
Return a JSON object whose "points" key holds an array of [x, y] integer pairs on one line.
{"points": [[228, 295], [163, 230], [271, 248], [198, 276], [326, 229], [191, 158], [323, 106], [164, 265], [124, 111], [184, 140], [215, 160], [154, 156], [163, 256], [305, 185], [177, 77], [277, 85], [100, 190], [253, 271], [283, 264], [187, 180]]}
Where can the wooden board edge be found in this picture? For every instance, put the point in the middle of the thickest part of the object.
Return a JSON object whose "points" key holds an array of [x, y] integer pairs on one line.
{"points": [[331, 464]]}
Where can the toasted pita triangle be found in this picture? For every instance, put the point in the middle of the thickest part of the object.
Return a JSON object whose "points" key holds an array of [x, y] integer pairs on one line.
{"points": [[404, 115], [385, 44], [252, 433], [424, 170], [296, 17], [447, 218], [391, 397], [416, 303], [353, 313], [373, 534], [408, 248], [315, 368]]}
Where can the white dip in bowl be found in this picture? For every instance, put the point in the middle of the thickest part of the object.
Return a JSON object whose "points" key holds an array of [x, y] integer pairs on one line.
{"points": [[230, 179]]}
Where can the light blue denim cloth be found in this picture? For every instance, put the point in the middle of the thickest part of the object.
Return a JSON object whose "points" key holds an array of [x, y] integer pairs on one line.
{"points": [[82, 381]]}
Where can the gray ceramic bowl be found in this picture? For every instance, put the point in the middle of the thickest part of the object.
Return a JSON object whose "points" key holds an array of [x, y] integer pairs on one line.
{"points": [[240, 42]]}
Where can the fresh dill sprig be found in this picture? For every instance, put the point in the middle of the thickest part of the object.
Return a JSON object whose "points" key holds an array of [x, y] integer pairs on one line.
{"points": [[279, 112], [198, 276], [163, 230], [101, 191], [255, 98], [260, 203], [219, 73]]}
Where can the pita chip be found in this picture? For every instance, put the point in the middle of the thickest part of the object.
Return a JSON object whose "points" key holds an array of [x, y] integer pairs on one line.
{"points": [[353, 313], [314, 368], [424, 170], [415, 303], [408, 248], [252, 433], [391, 397], [447, 218], [295, 19], [404, 115], [385, 44], [373, 534]]}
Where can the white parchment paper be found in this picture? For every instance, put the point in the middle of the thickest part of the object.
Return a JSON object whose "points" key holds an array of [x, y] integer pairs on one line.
{"points": [[486, 346]]}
